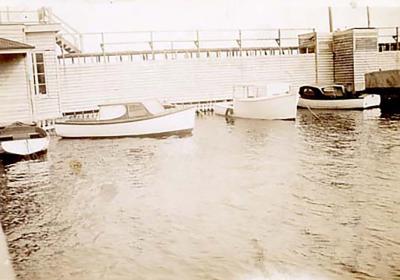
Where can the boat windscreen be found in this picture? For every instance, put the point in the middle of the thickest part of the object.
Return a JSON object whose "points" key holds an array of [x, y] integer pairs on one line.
{"points": [[309, 92], [333, 91], [111, 112], [154, 107], [137, 110]]}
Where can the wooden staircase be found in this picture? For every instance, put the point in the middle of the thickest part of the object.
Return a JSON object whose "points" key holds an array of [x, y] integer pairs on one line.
{"points": [[68, 39], [66, 45]]}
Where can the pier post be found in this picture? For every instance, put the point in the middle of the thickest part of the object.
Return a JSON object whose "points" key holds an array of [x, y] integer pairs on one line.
{"points": [[397, 38]]}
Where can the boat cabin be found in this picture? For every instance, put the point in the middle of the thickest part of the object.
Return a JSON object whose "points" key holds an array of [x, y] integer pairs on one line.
{"points": [[255, 91], [324, 92], [128, 111]]}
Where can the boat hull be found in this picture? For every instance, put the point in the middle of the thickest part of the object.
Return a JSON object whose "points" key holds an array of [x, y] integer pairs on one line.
{"points": [[363, 102], [223, 109], [279, 107], [24, 147], [181, 121]]}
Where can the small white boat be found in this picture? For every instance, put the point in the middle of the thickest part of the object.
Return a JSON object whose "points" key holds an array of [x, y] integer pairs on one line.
{"points": [[142, 118], [23, 140], [269, 102], [335, 97]]}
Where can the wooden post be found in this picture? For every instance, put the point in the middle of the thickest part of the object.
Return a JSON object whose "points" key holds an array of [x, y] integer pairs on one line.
{"points": [[368, 18], [152, 45], [330, 19], [80, 42], [197, 43], [239, 42], [397, 38], [103, 47], [278, 41]]}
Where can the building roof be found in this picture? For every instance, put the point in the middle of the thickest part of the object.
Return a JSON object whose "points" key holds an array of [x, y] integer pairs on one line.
{"points": [[6, 44]]}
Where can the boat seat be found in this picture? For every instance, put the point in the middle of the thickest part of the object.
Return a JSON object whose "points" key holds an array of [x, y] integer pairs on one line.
{"points": [[34, 135], [6, 137]]}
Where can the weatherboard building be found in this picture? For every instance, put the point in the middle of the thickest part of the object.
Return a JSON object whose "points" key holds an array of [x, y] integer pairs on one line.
{"points": [[45, 74]]}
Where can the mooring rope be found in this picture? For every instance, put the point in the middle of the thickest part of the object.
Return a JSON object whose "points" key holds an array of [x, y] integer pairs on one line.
{"points": [[314, 114]]}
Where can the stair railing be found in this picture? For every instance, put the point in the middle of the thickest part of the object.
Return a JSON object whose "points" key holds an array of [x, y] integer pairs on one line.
{"points": [[72, 34]]}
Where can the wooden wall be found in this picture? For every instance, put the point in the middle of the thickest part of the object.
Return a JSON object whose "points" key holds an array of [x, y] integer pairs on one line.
{"points": [[46, 106], [365, 55], [343, 49], [388, 60], [324, 59], [12, 32], [355, 54], [14, 94], [84, 86], [321, 45], [17, 99]]}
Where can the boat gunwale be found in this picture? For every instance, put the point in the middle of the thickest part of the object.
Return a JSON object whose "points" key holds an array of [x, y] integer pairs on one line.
{"points": [[118, 121], [261, 98], [326, 102], [179, 132], [346, 95], [12, 129]]}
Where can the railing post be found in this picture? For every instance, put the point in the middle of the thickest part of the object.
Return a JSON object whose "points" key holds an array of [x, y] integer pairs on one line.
{"points": [[81, 42], [239, 42], [197, 43], [172, 50], [278, 41], [103, 46], [152, 45]]}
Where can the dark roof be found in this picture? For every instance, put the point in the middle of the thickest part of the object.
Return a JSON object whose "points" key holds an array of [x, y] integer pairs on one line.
{"points": [[6, 44]]}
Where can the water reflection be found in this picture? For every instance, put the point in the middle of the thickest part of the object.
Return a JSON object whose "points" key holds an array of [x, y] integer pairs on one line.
{"points": [[315, 198]]}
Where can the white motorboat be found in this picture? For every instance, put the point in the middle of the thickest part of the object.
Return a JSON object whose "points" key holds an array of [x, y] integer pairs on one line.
{"points": [[142, 118], [23, 140], [269, 102], [335, 97]]}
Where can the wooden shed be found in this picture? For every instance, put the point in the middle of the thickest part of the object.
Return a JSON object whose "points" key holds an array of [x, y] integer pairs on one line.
{"points": [[355, 53], [15, 101], [29, 88], [321, 45]]}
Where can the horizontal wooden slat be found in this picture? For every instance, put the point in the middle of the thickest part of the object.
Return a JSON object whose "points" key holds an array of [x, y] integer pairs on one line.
{"points": [[84, 86]]}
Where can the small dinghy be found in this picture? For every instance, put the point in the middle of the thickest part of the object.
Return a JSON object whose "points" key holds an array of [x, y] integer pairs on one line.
{"points": [[269, 102], [335, 97], [142, 118], [23, 140]]}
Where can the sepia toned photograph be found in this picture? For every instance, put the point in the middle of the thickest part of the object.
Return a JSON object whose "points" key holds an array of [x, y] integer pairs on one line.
{"points": [[199, 140]]}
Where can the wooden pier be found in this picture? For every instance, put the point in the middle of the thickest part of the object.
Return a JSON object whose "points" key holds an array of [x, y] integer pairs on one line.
{"points": [[387, 85]]}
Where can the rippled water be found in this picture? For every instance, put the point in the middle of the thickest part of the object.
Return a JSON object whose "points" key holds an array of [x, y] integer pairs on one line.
{"points": [[311, 199]]}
